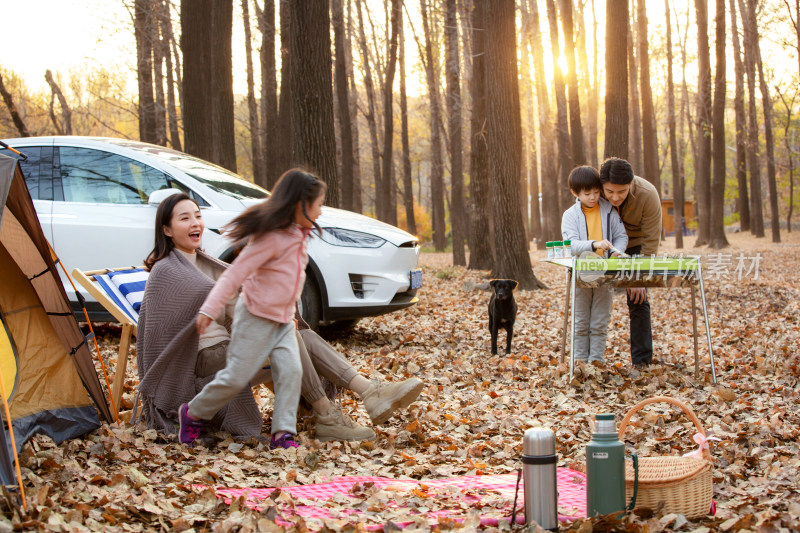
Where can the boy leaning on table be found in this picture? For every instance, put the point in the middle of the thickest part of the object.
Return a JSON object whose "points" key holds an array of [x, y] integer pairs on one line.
{"points": [[592, 225]]}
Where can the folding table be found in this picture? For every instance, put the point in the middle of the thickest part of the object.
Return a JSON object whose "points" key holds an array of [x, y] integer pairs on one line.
{"points": [[592, 271]]}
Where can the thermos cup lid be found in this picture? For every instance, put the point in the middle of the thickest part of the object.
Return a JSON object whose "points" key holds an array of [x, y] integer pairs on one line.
{"points": [[604, 423], [539, 441]]}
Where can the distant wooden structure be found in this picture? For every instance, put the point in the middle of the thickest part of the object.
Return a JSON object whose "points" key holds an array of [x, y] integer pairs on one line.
{"points": [[668, 216]]}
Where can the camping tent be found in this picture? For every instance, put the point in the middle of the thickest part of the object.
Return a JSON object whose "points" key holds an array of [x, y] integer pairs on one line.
{"points": [[50, 380]]}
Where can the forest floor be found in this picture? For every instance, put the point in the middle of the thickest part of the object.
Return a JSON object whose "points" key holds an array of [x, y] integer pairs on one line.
{"points": [[474, 409]]}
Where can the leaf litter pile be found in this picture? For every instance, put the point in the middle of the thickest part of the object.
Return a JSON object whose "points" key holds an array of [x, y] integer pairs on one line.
{"points": [[472, 414]]}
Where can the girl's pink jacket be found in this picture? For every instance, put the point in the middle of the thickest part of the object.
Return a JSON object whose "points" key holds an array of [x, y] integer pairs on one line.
{"points": [[270, 270]]}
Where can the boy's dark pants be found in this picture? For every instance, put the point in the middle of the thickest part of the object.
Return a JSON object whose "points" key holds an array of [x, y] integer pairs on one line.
{"points": [[641, 330]]}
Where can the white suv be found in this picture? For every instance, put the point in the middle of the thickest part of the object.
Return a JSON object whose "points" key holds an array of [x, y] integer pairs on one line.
{"points": [[91, 195]]}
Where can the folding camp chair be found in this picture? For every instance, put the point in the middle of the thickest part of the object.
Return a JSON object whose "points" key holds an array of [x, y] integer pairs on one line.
{"points": [[119, 291]]}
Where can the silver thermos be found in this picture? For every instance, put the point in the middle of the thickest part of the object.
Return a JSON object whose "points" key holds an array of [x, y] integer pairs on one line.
{"points": [[539, 472]]}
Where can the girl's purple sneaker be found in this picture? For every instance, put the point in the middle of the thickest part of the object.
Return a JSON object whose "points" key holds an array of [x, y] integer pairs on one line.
{"points": [[284, 441], [189, 427]]}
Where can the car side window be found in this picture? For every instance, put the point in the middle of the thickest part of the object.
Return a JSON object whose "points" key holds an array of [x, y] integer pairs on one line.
{"points": [[95, 176], [29, 167]]}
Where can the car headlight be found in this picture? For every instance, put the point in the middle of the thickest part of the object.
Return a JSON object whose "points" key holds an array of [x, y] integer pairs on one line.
{"points": [[350, 238]]}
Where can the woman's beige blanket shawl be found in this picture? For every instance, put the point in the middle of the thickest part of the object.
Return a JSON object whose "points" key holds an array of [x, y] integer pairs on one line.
{"points": [[166, 348]]}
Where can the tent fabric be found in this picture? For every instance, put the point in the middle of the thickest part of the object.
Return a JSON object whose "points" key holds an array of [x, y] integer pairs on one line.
{"points": [[52, 357]]}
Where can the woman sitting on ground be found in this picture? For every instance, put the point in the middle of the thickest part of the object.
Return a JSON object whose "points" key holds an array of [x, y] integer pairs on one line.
{"points": [[174, 363]]}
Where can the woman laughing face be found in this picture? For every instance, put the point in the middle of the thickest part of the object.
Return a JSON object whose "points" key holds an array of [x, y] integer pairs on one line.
{"points": [[186, 226]]}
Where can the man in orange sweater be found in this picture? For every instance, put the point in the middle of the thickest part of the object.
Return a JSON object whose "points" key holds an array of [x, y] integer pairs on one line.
{"points": [[639, 207]]}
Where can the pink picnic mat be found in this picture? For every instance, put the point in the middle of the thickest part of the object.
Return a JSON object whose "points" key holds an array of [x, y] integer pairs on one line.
{"points": [[367, 499]]}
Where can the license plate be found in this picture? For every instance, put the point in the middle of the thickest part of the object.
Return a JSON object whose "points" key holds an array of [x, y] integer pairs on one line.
{"points": [[415, 278]]}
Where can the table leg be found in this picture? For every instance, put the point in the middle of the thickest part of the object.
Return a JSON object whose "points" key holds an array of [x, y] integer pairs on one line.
{"points": [[694, 332], [708, 327], [567, 308], [573, 275]]}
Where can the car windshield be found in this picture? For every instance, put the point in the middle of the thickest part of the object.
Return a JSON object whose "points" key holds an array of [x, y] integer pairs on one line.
{"points": [[218, 178]]}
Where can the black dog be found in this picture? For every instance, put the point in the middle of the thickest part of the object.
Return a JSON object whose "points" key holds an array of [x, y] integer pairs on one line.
{"points": [[502, 311]]}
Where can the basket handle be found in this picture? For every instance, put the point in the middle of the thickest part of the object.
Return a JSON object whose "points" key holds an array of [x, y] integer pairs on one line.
{"points": [[666, 399]]}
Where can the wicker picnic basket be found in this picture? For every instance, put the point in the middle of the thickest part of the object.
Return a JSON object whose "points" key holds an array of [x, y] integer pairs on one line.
{"points": [[683, 484]]}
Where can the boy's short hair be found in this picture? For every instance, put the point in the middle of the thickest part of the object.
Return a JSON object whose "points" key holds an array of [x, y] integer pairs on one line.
{"points": [[616, 171], [584, 178]]}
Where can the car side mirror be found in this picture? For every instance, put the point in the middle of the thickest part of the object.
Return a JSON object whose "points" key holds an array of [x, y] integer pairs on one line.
{"points": [[156, 197]]}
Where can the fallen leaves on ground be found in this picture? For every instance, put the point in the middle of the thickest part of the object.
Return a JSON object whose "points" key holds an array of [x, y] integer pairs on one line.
{"points": [[473, 412]]}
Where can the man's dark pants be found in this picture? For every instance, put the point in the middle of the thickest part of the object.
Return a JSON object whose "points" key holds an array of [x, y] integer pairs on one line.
{"points": [[641, 330]]}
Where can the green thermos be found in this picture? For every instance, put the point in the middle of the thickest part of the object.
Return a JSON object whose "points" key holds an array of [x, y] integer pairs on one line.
{"points": [[605, 469]]}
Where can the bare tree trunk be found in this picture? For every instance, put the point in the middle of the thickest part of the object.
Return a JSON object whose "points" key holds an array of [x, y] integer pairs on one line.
{"points": [[437, 166], [594, 101], [269, 96], [686, 109], [178, 74], [742, 200], [252, 107], [753, 163], [12, 109], [66, 112], [313, 142], [168, 40], [717, 239], [677, 166], [284, 127], [208, 80], [533, 164], [561, 126], [616, 143], [525, 77], [53, 118], [372, 121], [702, 173], [343, 104], [383, 196], [769, 141], [480, 247], [685, 115], [408, 188], [789, 106], [589, 87], [652, 172], [160, 49], [575, 127], [453, 73], [143, 32], [551, 214], [353, 103], [635, 124], [503, 130]]}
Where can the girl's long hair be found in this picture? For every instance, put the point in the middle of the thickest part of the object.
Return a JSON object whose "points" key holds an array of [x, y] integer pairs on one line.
{"points": [[277, 212], [163, 244]]}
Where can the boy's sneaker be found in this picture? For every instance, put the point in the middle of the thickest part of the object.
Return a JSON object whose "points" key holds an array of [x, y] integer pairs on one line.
{"points": [[382, 399], [189, 427], [335, 425], [285, 441]]}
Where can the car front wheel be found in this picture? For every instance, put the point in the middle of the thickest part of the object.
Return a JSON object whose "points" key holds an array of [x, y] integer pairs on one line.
{"points": [[310, 305]]}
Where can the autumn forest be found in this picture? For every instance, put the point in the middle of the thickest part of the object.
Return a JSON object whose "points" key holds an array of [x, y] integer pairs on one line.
{"points": [[457, 119]]}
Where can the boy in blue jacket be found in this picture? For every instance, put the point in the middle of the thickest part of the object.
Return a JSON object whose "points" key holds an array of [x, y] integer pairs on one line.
{"points": [[593, 226]]}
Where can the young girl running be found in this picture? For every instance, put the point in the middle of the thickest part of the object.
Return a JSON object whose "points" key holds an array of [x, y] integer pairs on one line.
{"points": [[270, 271]]}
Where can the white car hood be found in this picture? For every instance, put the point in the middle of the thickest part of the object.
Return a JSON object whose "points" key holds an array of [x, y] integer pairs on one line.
{"points": [[340, 218]]}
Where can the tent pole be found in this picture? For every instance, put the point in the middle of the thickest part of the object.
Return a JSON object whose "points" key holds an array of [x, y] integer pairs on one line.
{"points": [[13, 443]]}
